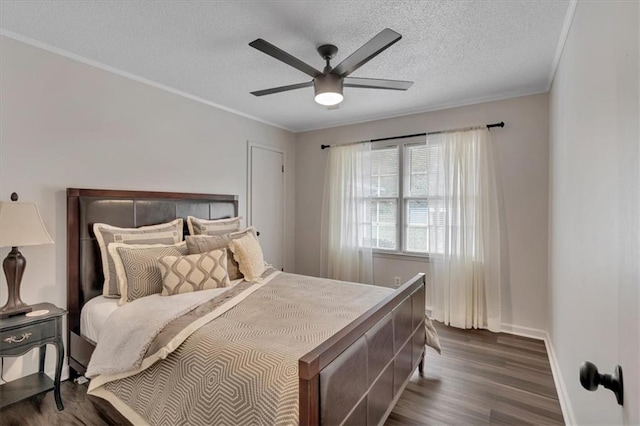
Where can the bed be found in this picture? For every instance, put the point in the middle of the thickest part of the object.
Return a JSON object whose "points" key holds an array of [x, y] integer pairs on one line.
{"points": [[355, 376]]}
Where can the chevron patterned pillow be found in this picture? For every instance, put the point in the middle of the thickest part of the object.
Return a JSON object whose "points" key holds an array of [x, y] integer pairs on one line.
{"points": [[138, 270], [195, 272], [165, 233]]}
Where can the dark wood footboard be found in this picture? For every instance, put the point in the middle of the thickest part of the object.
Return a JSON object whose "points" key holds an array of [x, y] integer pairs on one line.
{"points": [[356, 376]]}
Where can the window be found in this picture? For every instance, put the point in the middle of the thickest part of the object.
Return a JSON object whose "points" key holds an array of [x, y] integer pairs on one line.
{"points": [[385, 186], [415, 198], [399, 209]]}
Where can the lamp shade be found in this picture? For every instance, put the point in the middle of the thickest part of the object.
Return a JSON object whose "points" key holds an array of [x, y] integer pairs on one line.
{"points": [[21, 225]]}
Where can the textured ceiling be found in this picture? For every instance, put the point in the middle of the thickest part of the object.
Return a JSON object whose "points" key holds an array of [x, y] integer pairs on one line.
{"points": [[456, 52]]}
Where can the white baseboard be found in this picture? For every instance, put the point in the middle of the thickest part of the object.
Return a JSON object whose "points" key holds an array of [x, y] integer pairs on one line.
{"points": [[533, 333], [64, 373], [563, 396]]}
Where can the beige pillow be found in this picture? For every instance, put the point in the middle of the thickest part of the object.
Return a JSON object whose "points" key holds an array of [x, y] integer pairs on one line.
{"points": [[203, 243], [165, 233], [247, 251], [250, 230], [212, 227], [138, 269], [195, 272]]}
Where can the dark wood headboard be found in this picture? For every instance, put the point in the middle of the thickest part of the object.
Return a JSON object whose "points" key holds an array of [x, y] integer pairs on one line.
{"points": [[128, 209]]}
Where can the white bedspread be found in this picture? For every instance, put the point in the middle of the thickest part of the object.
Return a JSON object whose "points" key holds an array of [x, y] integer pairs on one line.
{"points": [[132, 327], [94, 315]]}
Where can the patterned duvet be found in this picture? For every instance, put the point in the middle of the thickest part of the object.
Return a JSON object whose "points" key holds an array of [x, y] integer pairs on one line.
{"points": [[241, 367]]}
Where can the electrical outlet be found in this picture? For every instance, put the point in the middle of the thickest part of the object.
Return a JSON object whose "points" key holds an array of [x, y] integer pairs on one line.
{"points": [[396, 281]]}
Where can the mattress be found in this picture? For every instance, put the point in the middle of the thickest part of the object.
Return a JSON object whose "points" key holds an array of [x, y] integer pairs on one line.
{"points": [[95, 312], [94, 315]]}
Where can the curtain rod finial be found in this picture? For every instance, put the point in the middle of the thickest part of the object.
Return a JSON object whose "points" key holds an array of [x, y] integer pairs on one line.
{"points": [[325, 146], [500, 124]]}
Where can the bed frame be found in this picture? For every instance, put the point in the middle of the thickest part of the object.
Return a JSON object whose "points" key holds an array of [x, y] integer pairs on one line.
{"points": [[355, 377]]}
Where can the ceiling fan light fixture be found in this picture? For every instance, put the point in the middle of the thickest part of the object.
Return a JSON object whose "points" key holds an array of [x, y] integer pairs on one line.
{"points": [[329, 98], [329, 83], [328, 89]]}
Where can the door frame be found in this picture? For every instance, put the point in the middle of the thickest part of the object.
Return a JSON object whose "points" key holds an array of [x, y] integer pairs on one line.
{"points": [[251, 144]]}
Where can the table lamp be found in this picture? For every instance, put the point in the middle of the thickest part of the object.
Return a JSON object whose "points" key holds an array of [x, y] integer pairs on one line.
{"points": [[20, 225]]}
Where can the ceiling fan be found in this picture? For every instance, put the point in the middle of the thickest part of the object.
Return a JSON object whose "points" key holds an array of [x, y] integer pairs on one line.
{"points": [[329, 83]]}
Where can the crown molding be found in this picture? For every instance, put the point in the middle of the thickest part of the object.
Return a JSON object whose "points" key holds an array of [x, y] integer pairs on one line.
{"points": [[564, 34]]}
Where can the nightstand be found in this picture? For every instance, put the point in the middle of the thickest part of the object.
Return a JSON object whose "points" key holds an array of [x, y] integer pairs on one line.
{"points": [[20, 334]]}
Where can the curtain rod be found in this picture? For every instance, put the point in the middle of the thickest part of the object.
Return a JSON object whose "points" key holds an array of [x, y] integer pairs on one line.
{"points": [[488, 126]]}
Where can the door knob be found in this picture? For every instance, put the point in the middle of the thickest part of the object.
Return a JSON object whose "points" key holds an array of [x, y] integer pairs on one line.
{"points": [[590, 379]]}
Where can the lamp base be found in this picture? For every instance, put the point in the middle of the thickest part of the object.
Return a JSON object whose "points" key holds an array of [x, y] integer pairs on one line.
{"points": [[13, 266], [18, 310]]}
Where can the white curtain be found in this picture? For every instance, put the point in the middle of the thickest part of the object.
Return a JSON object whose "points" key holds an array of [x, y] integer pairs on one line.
{"points": [[464, 230], [346, 214]]}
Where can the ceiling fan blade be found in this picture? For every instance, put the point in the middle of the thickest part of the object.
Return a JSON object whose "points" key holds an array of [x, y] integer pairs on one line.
{"points": [[282, 89], [281, 55], [370, 49], [376, 83]]}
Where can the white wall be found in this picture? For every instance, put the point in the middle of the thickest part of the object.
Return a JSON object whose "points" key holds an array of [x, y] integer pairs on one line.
{"points": [[594, 215], [67, 124], [522, 149]]}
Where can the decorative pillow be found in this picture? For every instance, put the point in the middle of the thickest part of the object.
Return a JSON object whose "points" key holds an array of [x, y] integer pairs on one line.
{"points": [[248, 253], [203, 243], [138, 269], [212, 227], [166, 233], [195, 272], [239, 234]]}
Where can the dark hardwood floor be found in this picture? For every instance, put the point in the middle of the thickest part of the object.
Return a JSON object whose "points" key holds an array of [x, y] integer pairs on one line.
{"points": [[481, 378]]}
